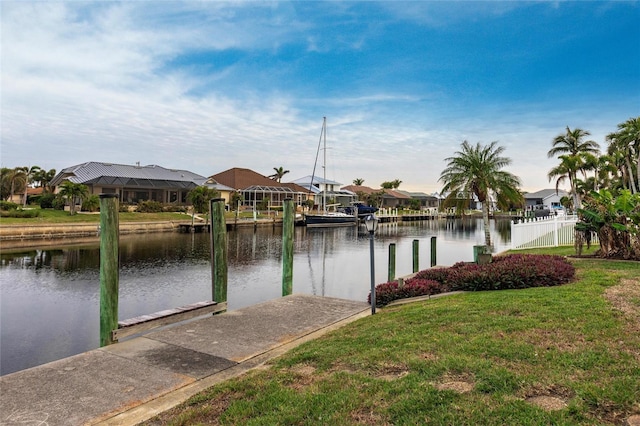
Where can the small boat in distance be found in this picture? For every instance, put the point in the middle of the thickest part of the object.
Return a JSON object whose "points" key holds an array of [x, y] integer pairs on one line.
{"points": [[327, 217]]}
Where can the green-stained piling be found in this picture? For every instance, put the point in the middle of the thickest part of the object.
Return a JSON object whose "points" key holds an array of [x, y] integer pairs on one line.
{"points": [[109, 274], [287, 247], [218, 249]]}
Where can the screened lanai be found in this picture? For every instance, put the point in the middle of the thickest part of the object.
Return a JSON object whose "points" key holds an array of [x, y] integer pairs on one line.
{"points": [[255, 194]]}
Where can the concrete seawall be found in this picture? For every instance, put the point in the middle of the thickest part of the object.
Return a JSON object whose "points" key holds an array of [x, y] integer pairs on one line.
{"points": [[24, 236]]}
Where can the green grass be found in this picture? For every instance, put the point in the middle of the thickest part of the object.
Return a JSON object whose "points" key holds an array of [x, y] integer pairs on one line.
{"points": [[396, 367], [50, 216]]}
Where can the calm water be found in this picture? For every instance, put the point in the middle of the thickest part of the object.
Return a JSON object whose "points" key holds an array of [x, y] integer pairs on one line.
{"points": [[49, 299]]}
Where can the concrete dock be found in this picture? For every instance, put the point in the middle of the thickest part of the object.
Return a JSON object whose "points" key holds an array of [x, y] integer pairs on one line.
{"points": [[134, 380]]}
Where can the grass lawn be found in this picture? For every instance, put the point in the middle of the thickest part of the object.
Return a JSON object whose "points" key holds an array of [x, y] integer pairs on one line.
{"points": [[50, 216], [567, 355]]}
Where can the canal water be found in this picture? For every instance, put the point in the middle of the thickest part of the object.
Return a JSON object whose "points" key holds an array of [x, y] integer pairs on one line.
{"points": [[49, 298]]}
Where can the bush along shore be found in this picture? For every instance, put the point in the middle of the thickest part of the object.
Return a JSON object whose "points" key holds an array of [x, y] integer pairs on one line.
{"points": [[513, 271]]}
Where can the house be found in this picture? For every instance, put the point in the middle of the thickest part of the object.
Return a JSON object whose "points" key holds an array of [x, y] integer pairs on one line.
{"points": [[254, 188], [389, 198], [135, 183], [334, 194], [545, 199], [426, 201]]}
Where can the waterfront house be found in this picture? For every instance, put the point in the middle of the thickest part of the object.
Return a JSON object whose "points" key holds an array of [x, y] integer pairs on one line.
{"points": [[254, 188], [135, 183], [426, 201], [545, 199]]}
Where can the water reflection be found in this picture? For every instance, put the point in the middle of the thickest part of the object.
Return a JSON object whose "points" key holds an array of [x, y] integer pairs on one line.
{"points": [[49, 302]]}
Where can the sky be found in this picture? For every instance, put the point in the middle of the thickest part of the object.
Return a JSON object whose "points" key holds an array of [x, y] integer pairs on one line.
{"points": [[206, 86]]}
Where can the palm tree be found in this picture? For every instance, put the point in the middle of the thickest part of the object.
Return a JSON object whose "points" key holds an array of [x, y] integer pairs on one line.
{"points": [[13, 181], [573, 147], [394, 184], [200, 197], [43, 178], [358, 181], [478, 170], [279, 173], [73, 192], [31, 173], [626, 143]]}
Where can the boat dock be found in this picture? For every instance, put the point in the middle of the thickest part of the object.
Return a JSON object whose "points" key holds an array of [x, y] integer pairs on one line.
{"points": [[132, 381]]}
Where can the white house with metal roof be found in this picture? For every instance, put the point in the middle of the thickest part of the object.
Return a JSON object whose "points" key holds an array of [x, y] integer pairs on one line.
{"points": [[545, 199], [137, 183]]}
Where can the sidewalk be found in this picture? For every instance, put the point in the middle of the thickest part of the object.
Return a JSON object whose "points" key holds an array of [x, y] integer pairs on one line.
{"points": [[132, 381]]}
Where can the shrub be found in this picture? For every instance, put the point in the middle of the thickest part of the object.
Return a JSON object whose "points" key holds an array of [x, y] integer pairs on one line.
{"points": [[91, 204], [58, 203], [174, 208], [46, 200], [149, 206], [413, 287], [20, 213], [505, 272], [8, 205]]}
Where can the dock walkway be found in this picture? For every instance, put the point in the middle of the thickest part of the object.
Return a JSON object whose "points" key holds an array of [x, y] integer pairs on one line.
{"points": [[132, 381]]}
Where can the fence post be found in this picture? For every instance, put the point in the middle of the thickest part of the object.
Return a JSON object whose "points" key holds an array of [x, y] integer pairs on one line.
{"points": [[415, 255], [109, 274], [433, 251], [218, 249], [392, 262], [287, 247], [555, 231]]}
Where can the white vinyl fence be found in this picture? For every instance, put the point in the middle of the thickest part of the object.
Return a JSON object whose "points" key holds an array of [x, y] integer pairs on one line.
{"points": [[545, 232]]}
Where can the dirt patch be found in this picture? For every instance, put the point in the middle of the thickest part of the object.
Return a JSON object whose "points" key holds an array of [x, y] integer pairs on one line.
{"points": [[461, 383], [390, 372], [626, 298], [547, 402]]}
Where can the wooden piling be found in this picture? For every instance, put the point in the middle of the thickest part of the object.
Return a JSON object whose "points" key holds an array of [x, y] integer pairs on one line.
{"points": [[416, 247], [218, 250], [288, 219], [109, 274], [392, 263], [433, 252]]}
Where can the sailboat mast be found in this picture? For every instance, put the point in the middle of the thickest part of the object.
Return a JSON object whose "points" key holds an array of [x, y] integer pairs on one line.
{"points": [[324, 165]]}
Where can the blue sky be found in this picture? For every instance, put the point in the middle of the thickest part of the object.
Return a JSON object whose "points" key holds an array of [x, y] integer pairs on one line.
{"points": [[206, 86]]}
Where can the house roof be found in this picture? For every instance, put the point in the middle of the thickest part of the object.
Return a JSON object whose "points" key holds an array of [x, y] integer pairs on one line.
{"points": [[241, 179], [417, 195], [392, 193], [544, 193], [127, 175], [360, 188]]}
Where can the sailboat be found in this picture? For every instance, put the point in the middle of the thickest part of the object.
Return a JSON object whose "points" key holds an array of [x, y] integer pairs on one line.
{"points": [[326, 218]]}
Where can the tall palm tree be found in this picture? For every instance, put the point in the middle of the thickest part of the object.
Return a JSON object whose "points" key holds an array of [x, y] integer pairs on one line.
{"points": [[31, 173], [358, 181], [626, 141], [573, 147], [279, 173], [13, 181], [73, 192], [43, 177], [478, 170]]}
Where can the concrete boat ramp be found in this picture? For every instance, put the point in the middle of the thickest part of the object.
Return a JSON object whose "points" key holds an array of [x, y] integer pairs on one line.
{"points": [[134, 380]]}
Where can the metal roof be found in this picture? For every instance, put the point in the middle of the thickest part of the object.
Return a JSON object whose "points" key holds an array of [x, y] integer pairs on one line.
{"points": [[544, 193], [122, 174]]}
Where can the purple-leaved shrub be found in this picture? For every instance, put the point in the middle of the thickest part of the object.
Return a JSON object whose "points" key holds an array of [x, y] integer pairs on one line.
{"points": [[514, 271]]}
